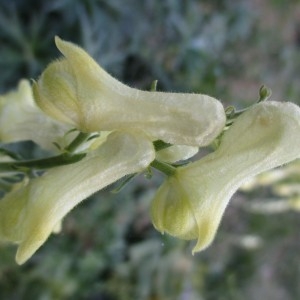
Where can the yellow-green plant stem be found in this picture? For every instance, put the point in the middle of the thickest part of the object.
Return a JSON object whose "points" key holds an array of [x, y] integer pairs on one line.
{"points": [[41, 164], [80, 139], [163, 167]]}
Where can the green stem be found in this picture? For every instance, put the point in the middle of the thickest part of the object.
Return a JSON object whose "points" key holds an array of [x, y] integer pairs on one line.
{"points": [[163, 167], [235, 114], [81, 138], [41, 164], [153, 87], [68, 157]]}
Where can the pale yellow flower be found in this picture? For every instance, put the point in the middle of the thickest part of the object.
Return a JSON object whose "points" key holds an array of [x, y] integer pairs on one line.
{"points": [[77, 91], [32, 211], [21, 119], [190, 204], [176, 153]]}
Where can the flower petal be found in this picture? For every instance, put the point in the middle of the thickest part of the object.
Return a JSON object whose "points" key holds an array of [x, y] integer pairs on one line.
{"points": [[90, 99], [21, 119], [32, 212], [176, 153]]}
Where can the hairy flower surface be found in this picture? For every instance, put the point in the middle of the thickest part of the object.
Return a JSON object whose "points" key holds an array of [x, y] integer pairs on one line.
{"points": [[33, 210], [77, 91], [190, 204], [21, 119]]}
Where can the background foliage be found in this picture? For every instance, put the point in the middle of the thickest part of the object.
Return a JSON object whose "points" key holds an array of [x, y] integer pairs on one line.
{"points": [[108, 248]]}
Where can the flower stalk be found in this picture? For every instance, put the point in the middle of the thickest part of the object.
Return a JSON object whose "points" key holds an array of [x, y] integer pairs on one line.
{"points": [[41, 164], [163, 167]]}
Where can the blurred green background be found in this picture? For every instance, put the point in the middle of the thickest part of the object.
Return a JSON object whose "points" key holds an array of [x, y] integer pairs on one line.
{"points": [[108, 249]]}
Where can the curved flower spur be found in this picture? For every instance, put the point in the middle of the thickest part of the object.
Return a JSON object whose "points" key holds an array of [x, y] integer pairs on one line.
{"points": [[191, 202], [77, 91]]}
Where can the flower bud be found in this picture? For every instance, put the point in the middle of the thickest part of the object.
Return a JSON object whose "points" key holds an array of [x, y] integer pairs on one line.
{"points": [[77, 91], [190, 204]]}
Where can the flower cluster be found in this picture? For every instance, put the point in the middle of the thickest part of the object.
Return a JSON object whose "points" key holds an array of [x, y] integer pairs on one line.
{"points": [[101, 130]]}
